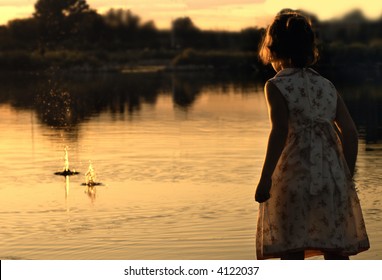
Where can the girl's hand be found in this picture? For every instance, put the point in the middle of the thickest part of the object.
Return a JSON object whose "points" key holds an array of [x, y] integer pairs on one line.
{"points": [[263, 189]]}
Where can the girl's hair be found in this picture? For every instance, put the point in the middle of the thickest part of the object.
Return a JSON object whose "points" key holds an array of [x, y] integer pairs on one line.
{"points": [[290, 39]]}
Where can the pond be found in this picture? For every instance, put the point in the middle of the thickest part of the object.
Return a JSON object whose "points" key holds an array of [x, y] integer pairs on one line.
{"points": [[178, 156]]}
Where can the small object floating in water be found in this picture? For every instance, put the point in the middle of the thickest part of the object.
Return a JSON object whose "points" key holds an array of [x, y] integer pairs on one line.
{"points": [[66, 171], [91, 184], [90, 177]]}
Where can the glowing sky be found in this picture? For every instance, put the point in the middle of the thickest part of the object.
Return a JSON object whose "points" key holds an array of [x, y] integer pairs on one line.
{"points": [[209, 14]]}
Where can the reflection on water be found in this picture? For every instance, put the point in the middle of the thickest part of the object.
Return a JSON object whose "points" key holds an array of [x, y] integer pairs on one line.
{"points": [[67, 186], [365, 104], [91, 192], [179, 156], [64, 102]]}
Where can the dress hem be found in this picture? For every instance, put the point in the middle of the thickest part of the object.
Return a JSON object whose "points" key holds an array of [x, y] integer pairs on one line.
{"points": [[315, 251]]}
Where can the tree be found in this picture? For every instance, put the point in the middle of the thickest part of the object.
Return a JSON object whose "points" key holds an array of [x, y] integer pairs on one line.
{"points": [[55, 18], [184, 33], [120, 18], [123, 25], [53, 9], [127, 31], [23, 32]]}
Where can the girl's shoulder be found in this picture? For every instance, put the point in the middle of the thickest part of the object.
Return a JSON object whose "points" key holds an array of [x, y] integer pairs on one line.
{"points": [[290, 75], [315, 76]]}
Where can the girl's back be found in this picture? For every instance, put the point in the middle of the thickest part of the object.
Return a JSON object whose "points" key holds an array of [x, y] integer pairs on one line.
{"points": [[308, 95]]}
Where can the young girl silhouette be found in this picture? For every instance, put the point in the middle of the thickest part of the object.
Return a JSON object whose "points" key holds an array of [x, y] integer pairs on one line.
{"points": [[308, 202]]}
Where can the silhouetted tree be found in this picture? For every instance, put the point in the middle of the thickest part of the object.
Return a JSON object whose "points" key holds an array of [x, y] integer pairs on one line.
{"points": [[85, 30], [184, 33], [127, 31], [55, 10], [122, 18], [54, 18], [23, 33]]}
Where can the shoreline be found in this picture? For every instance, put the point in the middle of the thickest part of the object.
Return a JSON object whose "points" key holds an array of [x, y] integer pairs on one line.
{"points": [[186, 61]]}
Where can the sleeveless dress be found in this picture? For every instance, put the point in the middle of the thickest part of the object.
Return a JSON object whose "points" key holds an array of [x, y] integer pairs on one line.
{"points": [[314, 205]]}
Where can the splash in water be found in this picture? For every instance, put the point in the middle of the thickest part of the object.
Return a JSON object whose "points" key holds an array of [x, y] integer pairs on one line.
{"points": [[66, 166], [66, 171], [90, 176]]}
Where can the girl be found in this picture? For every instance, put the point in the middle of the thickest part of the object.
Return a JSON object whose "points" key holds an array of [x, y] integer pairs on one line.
{"points": [[308, 202]]}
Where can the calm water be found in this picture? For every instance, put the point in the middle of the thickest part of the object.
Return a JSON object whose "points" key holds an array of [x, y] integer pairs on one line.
{"points": [[178, 156]]}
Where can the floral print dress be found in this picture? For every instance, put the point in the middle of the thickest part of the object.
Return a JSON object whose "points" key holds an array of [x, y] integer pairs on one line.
{"points": [[314, 205]]}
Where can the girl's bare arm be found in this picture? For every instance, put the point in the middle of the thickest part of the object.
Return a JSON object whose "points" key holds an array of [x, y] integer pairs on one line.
{"points": [[278, 114], [349, 135]]}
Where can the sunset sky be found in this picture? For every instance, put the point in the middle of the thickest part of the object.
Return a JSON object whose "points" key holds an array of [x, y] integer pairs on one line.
{"points": [[209, 14]]}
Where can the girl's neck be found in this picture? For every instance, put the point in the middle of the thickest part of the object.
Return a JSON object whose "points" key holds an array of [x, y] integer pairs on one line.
{"points": [[280, 65]]}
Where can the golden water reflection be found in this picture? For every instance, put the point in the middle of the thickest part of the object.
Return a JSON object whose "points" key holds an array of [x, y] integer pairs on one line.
{"points": [[178, 184], [91, 192]]}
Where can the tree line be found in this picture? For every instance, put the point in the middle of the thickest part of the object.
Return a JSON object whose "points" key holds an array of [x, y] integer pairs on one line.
{"points": [[74, 25]]}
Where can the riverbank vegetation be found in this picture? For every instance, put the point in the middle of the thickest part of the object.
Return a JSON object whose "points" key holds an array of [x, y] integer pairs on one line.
{"points": [[71, 35]]}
